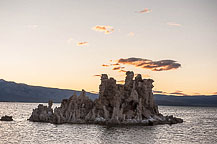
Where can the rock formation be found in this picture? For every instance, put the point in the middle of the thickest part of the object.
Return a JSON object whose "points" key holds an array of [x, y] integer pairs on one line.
{"points": [[131, 103], [6, 118]]}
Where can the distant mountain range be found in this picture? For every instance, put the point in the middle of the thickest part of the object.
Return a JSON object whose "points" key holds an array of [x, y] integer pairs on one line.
{"points": [[200, 100], [18, 92]]}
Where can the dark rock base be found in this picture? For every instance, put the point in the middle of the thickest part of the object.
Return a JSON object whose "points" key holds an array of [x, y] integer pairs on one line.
{"points": [[6, 118]]}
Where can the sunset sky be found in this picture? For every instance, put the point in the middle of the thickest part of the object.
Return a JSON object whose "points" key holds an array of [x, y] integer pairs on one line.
{"points": [[67, 43]]}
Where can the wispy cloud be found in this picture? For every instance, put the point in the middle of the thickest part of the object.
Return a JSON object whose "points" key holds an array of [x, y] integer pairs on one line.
{"points": [[146, 10], [118, 68], [95, 92], [105, 29], [82, 43], [131, 34], [97, 75], [122, 71], [115, 64], [159, 92], [161, 65], [178, 92], [174, 24], [74, 42], [215, 93], [105, 65]]}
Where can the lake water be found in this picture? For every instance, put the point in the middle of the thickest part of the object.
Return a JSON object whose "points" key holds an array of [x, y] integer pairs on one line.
{"points": [[200, 126]]}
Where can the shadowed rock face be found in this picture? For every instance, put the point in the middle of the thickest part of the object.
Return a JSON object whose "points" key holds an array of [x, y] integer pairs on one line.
{"points": [[6, 118], [131, 103]]}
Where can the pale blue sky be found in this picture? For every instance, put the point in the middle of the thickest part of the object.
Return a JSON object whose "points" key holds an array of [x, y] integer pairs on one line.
{"points": [[38, 41]]}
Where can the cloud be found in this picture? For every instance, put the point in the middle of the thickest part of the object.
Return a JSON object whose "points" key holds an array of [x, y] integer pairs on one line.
{"points": [[116, 64], [174, 24], [146, 10], [118, 68], [95, 92], [82, 43], [159, 92], [161, 65], [178, 92], [122, 71], [104, 65], [131, 34], [215, 93], [73, 41], [97, 75], [105, 29]]}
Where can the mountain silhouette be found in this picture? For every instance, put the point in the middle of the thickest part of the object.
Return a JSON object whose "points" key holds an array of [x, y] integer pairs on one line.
{"points": [[19, 92]]}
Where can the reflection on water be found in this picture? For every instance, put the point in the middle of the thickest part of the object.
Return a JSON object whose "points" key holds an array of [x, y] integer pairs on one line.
{"points": [[200, 126]]}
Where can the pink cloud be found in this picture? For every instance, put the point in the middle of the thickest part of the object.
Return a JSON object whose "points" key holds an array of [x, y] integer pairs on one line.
{"points": [[146, 10], [82, 43], [105, 29]]}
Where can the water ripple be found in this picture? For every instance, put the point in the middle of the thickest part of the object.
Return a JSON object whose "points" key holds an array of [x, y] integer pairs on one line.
{"points": [[200, 126]]}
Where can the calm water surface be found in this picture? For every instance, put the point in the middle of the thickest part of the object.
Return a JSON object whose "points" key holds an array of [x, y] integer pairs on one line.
{"points": [[200, 126]]}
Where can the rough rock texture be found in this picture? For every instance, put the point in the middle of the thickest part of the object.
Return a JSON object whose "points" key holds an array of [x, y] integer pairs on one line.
{"points": [[131, 103], [6, 118]]}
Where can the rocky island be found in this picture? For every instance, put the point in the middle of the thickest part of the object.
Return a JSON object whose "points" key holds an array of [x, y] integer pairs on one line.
{"points": [[6, 118], [130, 103]]}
